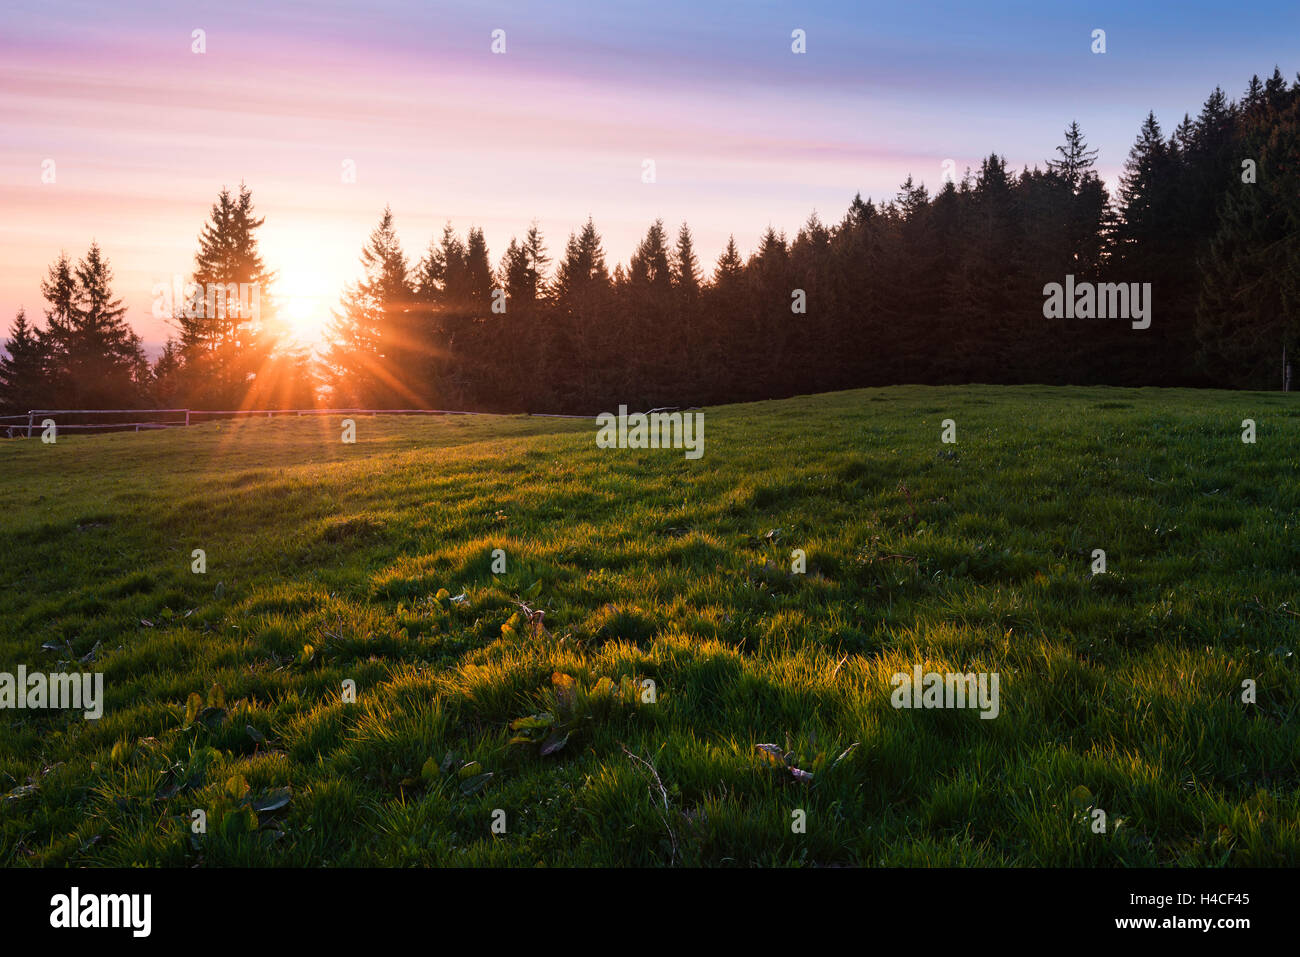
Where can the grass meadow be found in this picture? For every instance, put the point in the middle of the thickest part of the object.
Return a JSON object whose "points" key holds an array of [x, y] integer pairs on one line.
{"points": [[519, 699]]}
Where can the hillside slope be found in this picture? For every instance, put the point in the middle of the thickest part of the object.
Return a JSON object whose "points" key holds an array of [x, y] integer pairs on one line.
{"points": [[329, 563]]}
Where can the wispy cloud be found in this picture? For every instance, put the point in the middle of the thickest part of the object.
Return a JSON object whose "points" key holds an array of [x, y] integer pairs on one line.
{"points": [[744, 133]]}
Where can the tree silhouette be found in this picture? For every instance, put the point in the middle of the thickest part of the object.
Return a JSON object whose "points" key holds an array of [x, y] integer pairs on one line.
{"points": [[372, 361], [944, 286], [93, 357], [24, 375]]}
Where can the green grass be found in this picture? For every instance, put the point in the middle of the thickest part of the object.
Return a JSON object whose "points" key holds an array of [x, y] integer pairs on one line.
{"points": [[1119, 691]]}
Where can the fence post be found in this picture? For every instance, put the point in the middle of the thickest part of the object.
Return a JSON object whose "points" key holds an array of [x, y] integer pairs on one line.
{"points": [[187, 418], [30, 419]]}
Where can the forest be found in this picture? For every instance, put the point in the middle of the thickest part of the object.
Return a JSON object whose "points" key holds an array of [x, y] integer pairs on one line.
{"points": [[919, 288]]}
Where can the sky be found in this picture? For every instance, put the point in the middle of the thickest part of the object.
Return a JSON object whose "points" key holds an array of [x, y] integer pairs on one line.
{"points": [[140, 132]]}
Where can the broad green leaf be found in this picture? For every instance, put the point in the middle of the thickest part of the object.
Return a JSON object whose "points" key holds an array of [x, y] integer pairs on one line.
{"points": [[236, 786], [553, 743], [239, 821], [543, 720], [273, 800], [475, 784]]}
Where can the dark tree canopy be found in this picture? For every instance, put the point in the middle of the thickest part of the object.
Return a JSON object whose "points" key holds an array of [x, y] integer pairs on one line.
{"points": [[926, 286]]}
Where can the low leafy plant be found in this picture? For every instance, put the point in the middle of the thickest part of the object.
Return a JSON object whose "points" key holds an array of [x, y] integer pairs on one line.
{"points": [[572, 704]]}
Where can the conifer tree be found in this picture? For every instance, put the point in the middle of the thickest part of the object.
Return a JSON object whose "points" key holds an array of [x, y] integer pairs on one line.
{"points": [[374, 360], [537, 260], [165, 376], [233, 348], [1076, 159], [24, 370], [94, 358], [1248, 310]]}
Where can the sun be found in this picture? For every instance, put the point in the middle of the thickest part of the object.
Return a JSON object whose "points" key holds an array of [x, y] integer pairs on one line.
{"points": [[304, 306], [303, 316]]}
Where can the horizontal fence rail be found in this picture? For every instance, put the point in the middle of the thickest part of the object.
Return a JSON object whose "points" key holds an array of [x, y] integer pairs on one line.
{"points": [[30, 423]]}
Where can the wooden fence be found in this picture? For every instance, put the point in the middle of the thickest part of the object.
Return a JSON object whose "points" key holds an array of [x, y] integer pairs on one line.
{"points": [[32, 422]]}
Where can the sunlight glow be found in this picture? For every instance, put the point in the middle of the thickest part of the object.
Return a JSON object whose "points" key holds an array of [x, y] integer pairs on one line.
{"points": [[305, 298]]}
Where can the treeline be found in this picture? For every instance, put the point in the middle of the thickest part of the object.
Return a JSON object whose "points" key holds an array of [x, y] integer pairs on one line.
{"points": [[918, 288], [86, 354], [87, 357]]}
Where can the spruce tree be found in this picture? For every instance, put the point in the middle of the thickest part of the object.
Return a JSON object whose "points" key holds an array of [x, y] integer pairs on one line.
{"points": [[686, 265], [230, 346], [1076, 159], [478, 272], [585, 333], [537, 260], [730, 265], [515, 274], [95, 359], [165, 376], [374, 359], [23, 369], [1248, 310]]}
